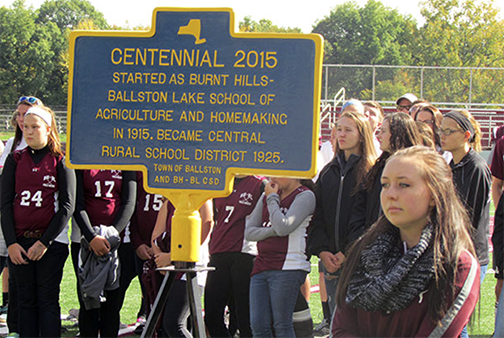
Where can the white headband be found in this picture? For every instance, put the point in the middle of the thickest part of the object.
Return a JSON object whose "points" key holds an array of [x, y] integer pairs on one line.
{"points": [[43, 114]]}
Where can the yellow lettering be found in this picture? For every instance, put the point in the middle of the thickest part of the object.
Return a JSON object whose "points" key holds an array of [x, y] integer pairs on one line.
{"points": [[165, 57]]}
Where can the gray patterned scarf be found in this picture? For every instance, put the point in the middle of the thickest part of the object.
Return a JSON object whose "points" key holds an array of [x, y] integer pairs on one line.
{"points": [[387, 279]]}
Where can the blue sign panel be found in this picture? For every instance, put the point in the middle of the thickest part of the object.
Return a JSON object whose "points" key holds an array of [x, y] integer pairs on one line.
{"points": [[191, 102]]}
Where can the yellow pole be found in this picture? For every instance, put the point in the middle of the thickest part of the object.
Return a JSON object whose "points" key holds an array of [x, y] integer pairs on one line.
{"points": [[185, 235]]}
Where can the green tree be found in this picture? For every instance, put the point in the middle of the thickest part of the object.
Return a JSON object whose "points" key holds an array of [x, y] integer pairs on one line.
{"points": [[69, 13], [264, 26], [26, 53], [34, 47], [461, 33], [372, 34], [66, 15]]}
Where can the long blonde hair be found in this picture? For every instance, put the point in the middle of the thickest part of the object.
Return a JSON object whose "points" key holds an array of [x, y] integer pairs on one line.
{"points": [[366, 144]]}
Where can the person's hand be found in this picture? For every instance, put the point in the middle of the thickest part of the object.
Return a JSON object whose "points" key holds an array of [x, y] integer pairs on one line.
{"points": [[341, 259], [155, 249], [99, 245], [162, 259], [330, 261], [36, 251], [271, 188], [144, 252], [16, 253]]}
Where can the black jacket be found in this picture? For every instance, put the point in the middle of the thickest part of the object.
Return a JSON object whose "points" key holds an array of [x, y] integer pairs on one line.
{"points": [[472, 180], [335, 193], [367, 207]]}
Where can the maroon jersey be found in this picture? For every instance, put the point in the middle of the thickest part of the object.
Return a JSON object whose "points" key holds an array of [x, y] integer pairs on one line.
{"points": [[286, 252], [228, 232], [36, 200], [146, 211], [102, 195], [497, 166]]}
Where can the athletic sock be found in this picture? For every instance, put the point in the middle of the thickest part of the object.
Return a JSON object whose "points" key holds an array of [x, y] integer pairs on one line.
{"points": [[5, 298], [327, 312], [301, 318]]}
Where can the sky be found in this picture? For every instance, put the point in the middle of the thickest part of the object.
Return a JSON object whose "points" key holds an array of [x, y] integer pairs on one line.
{"points": [[281, 13]]}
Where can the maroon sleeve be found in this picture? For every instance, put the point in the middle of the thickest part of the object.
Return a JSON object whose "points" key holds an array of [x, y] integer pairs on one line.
{"points": [[460, 310], [345, 322], [462, 317], [497, 166]]}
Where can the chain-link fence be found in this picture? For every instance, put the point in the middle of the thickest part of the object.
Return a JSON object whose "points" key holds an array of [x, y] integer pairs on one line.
{"points": [[449, 87]]}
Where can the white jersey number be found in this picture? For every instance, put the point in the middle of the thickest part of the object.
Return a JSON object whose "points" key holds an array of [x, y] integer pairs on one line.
{"points": [[229, 208], [157, 202], [109, 184], [27, 198]]}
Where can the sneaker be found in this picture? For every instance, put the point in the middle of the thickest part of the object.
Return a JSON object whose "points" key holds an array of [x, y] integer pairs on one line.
{"points": [[140, 325], [73, 313], [3, 309], [139, 328], [322, 329]]}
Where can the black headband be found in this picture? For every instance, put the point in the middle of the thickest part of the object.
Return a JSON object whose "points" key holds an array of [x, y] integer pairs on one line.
{"points": [[463, 122]]}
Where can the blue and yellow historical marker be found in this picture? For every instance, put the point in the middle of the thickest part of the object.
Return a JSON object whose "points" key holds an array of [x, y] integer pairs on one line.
{"points": [[191, 103]]}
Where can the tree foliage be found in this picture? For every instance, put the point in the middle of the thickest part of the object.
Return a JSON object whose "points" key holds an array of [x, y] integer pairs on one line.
{"points": [[461, 33], [27, 52], [456, 33], [373, 34], [34, 47], [69, 13], [264, 26]]}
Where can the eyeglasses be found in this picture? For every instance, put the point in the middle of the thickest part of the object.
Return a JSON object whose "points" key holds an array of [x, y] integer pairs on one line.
{"points": [[428, 122], [403, 107], [31, 100], [448, 132]]}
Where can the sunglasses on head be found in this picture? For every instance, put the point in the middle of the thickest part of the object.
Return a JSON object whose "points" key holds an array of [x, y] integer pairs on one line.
{"points": [[31, 100]]}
